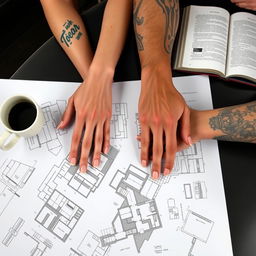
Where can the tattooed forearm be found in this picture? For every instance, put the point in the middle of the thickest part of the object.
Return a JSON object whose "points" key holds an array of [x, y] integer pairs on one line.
{"points": [[70, 31], [137, 21], [237, 123], [171, 11]]}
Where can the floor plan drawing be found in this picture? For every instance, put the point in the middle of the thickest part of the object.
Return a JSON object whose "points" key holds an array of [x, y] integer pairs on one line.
{"points": [[59, 215], [198, 227], [173, 209], [138, 216], [13, 176], [49, 136], [189, 161], [91, 246], [118, 124], [41, 244], [13, 232], [83, 183], [48, 207]]}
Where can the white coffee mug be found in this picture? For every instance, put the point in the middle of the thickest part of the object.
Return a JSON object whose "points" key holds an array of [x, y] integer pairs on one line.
{"points": [[11, 107]]}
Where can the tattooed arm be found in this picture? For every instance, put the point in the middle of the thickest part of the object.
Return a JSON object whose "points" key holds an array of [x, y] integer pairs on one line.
{"points": [[235, 123], [161, 107], [68, 28]]}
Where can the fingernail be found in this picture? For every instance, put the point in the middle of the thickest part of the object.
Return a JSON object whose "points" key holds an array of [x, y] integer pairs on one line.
{"points": [[96, 163], [106, 149], [72, 161], [60, 124], [189, 141], [83, 169], [166, 171], [144, 163], [155, 175]]}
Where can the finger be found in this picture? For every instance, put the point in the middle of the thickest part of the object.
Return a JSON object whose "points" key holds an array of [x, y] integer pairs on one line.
{"points": [[170, 147], [68, 114], [98, 139], [157, 152], [86, 146], [185, 127], [145, 141], [106, 133], [76, 138], [237, 1]]}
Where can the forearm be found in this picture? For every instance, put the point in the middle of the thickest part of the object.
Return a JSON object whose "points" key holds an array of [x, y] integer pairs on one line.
{"points": [[155, 25], [113, 32], [68, 28], [236, 123]]}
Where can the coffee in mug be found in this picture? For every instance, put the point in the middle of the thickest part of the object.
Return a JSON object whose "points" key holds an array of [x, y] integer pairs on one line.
{"points": [[21, 117]]}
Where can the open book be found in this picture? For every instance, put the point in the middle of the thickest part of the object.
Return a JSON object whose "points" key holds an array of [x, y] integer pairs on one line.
{"points": [[215, 42]]}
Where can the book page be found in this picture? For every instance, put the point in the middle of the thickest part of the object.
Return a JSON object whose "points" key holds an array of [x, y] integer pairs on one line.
{"points": [[206, 41], [49, 208], [242, 45]]}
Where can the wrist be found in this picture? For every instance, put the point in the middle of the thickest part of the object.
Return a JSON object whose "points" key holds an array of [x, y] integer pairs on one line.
{"points": [[99, 70], [200, 127], [161, 70]]}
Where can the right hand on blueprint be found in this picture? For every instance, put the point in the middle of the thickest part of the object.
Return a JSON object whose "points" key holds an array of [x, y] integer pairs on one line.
{"points": [[91, 104]]}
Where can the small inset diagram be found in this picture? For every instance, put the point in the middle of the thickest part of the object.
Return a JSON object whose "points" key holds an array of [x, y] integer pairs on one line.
{"points": [[41, 244], [13, 232], [189, 161], [59, 215], [173, 209], [200, 190], [118, 124], [138, 128], [83, 183], [138, 215], [49, 136], [90, 246], [188, 191], [198, 227], [13, 176]]}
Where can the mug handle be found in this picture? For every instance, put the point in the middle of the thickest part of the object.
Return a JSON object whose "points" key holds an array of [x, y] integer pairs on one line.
{"points": [[4, 137]]}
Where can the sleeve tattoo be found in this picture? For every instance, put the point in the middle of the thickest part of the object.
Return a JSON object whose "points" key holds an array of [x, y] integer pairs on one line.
{"points": [[137, 22], [237, 123], [171, 12]]}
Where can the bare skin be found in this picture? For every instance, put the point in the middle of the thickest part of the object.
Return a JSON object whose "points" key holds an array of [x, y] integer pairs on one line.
{"points": [[91, 104], [161, 107], [234, 123], [247, 4]]}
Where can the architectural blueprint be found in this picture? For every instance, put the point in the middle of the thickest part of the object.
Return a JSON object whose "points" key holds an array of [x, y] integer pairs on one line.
{"points": [[49, 208]]}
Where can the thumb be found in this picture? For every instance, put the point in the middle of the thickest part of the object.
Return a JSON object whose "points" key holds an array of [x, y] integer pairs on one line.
{"points": [[68, 114], [185, 127]]}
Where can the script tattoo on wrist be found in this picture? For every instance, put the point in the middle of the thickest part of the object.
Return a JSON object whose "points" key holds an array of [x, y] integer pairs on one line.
{"points": [[137, 21], [237, 123], [69, 32], [171, 12]]}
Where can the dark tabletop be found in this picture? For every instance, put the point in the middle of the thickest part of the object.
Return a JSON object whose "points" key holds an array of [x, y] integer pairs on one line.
{"points": [[238, 160]]}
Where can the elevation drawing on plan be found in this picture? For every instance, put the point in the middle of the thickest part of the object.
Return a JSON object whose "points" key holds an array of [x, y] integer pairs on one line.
{"points": [[13, 176], [13, 232], [59, 215], [82, 183], [138, 215], [49, 136]]}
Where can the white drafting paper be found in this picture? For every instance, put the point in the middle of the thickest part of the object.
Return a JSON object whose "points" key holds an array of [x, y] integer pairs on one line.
{"points": [[48, 208]]}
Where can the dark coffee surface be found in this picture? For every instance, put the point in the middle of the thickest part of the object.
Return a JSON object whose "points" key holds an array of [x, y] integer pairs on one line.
{"points": [[22, 115]]}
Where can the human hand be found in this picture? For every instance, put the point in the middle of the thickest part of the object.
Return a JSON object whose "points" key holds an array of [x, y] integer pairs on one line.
{"points": [[162, 113], [247, 4], [92, 105]]}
